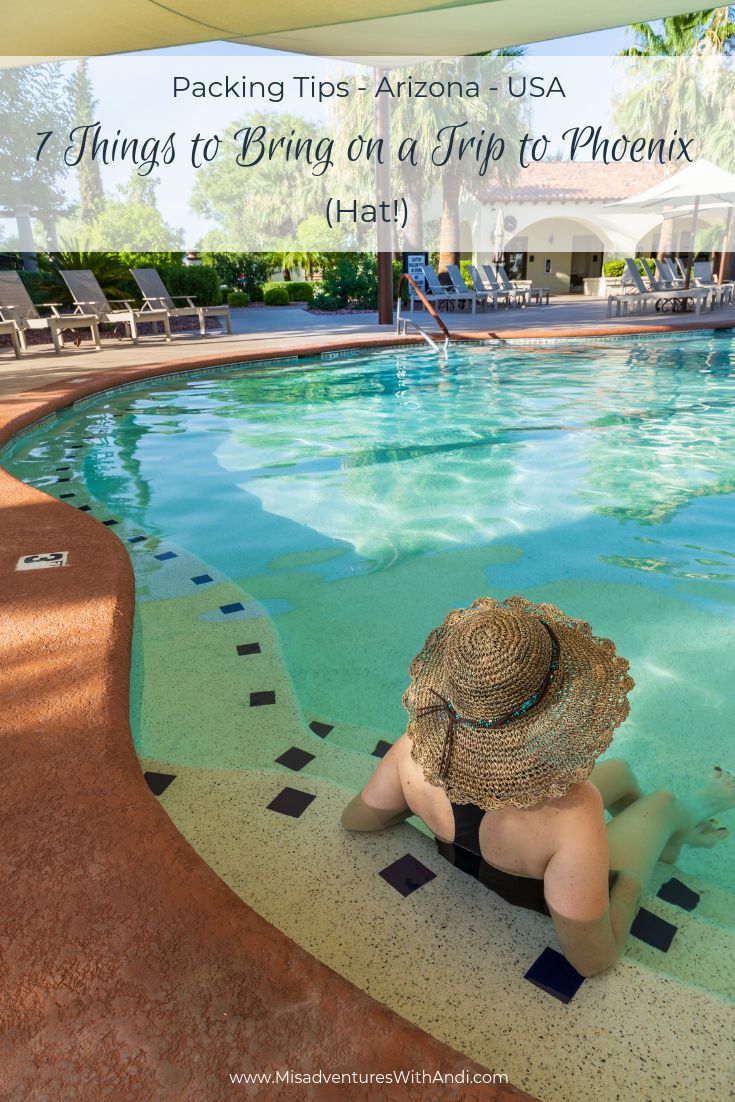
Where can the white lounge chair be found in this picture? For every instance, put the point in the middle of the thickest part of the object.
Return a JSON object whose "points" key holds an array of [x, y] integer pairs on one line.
{"points": [[519, 296], [492, 293], [439, 292], [524, 286], [643, 295], [474, 296], [86, 291], [156, 297], [17, 306], [10, 329]]}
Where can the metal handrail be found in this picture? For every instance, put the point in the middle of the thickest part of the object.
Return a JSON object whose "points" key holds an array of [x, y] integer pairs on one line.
{"points": [[422, 297]]}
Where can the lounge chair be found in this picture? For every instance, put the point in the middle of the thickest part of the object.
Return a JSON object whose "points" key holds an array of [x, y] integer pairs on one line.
{"points": [[702, 277], [519, 297], [439, 292], [458, 282], [156, 297], [17, 306], [643, 295], [86, 291], [491, 292], [668, 277], [10, 329], [523, 286]]}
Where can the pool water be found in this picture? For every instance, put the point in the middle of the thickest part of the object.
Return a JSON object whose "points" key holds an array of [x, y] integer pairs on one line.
{"points": [[358, 499]]}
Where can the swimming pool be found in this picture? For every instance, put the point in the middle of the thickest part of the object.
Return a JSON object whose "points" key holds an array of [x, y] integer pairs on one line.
{"points": [[354, 500]]}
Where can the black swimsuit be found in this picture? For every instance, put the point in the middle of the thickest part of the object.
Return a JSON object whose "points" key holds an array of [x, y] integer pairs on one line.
{"points": [[464, 852]]}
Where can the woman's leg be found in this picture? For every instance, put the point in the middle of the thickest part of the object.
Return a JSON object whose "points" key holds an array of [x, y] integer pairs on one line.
{"points": [[655, 827], [616, 783], [640, 834]]}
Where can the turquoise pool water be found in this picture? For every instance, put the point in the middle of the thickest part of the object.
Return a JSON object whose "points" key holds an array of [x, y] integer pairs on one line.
{"points": [[359, 499]]}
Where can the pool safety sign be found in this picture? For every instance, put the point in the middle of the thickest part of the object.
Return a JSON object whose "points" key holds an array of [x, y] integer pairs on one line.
{"points": [[42, 561]]}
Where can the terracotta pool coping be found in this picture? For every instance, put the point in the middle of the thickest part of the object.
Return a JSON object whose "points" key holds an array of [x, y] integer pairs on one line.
{"points": [[131, 970]]}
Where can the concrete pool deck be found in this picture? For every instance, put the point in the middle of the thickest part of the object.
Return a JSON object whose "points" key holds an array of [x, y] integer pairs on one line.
{"points": [[133, 958]]}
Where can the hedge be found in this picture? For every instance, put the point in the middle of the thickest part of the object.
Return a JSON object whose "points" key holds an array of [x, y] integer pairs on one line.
{"points": [[199, 281], [297, 290]]}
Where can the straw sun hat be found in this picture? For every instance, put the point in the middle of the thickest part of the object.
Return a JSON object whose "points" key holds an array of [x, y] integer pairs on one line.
{"points": [[511, 702]]}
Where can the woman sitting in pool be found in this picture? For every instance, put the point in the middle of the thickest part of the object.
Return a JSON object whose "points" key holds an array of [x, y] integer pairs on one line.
{"points": [[509, 705]]}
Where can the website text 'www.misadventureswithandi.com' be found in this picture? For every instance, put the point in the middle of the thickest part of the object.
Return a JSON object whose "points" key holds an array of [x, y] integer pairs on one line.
{"points": [[405, 1076]]}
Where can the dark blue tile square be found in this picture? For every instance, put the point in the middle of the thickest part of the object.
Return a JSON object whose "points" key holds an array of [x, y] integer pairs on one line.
{"points": [[291, 801], [653, 930], [75, 445], [109, 523], [62, 496], [553, 973], [63, 480], [84, 508], [295, 758], [267, 696], [674, 891], [236, 606], [62, 468], [136, 539], [158, 782], [166, 555], [202, 579], [381, 748], [321, 729], [248, 648], [407, 874]]}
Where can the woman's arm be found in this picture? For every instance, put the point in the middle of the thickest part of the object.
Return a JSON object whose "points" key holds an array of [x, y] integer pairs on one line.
{"points": [[591, 920], [381, 803]]}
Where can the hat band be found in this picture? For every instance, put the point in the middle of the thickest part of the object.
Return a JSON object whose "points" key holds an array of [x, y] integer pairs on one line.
{"points": [[454, 718]]}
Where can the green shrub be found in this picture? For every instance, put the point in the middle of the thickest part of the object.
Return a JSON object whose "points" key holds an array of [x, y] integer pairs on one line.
{"points": [[297, 290], [615, 268], [275, 296], [238, 298], [199, 281], [350, 280], [38, 286], [112, 275], [243, 271], [465, 274]]}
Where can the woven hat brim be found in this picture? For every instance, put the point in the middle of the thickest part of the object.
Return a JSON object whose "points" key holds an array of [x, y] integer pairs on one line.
{"points": [[540, 755]]}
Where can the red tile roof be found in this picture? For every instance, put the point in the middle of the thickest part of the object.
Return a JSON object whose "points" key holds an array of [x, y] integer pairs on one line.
{"points": [[576, 181]]}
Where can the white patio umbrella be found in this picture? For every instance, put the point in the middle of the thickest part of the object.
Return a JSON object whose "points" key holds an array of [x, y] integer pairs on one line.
{"points": [[700, 183], [498, 234]]}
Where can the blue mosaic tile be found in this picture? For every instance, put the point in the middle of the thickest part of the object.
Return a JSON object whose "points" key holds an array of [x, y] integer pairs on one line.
{"points": [[109, 523], [136, 539], [321, 729], [158, 782], [62, 496], [407, 874], [236, 606], [653, 930], [295, 758], [202, 579], [553, 973], [381, 748], [291, 801], [674, 891], [265, 697], [166, 555], [248, 648]]}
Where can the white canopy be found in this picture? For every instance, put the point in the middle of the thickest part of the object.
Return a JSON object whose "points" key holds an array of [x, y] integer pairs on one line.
{"points": [[699, 180], [74, 28]]}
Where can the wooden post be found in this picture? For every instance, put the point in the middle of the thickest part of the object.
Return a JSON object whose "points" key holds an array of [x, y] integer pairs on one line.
{"points": [[690, 261], [725, 242], [383, 195]]}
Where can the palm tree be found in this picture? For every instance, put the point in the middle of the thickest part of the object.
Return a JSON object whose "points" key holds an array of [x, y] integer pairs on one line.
{"points": [[696, 99]]}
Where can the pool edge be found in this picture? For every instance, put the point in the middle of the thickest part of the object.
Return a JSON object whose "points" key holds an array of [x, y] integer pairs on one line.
{"points": [[131, 937]]}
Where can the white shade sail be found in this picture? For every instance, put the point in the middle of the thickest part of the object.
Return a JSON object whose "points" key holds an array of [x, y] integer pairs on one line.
{"points": [[699, 180], [45, 28]]}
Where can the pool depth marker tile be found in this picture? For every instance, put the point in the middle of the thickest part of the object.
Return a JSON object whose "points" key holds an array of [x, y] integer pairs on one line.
{"points": [[248, 648], [265, 696], [674, 891], [381, 748], [652, 930], [321, 729]]}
